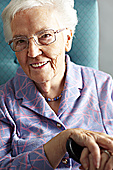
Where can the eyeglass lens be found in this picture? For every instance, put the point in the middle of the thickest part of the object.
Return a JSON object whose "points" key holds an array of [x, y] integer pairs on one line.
{"points": [[41, 38]]}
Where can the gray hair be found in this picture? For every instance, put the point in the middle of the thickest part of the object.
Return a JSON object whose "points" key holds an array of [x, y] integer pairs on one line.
{"points": [[64, 7]]}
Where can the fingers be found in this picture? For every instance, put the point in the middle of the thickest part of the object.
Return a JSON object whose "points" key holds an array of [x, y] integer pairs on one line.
{"points": [[104, 159], [109, 164], [87, 160], [104, 141], [84, 159], [106, 162], [91, 165], [94, 150], [85, 138], [93, 141]]}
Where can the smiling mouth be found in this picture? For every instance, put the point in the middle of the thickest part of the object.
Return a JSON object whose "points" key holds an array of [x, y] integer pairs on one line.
{"points": [[37, 65]]}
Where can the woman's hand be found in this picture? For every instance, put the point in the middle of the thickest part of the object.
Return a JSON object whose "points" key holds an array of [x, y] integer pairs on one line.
{"points": [[106, 162], [55, 149], [93, 141]]}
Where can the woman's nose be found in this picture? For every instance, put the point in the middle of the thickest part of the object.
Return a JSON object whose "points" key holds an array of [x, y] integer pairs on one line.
{"points": [[34, 50]]}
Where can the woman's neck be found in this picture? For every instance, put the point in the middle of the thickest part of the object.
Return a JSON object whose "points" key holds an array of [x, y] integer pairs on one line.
{"points": [[52, 90]]}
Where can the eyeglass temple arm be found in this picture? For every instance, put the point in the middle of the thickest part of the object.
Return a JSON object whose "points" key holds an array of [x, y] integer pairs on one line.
{"points": [[60, 30]]}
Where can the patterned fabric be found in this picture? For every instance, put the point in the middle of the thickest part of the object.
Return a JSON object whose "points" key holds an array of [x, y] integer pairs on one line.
{"points": [[85, 45], [27, 121]]}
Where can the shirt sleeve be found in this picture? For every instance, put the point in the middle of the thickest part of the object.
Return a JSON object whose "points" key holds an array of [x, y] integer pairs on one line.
{"points": [[27, 160], [35, 159], [104, 84]]}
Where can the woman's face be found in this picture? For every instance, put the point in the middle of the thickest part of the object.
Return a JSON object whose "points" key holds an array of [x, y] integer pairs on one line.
{"points": [[40, 63]]}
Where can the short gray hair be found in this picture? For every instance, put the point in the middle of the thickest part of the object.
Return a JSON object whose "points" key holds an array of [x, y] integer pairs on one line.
{"points": [[64, 7]]}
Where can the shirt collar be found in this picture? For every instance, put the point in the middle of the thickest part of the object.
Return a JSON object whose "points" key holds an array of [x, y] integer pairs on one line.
{"points": [[24, 86], [26, 90]]}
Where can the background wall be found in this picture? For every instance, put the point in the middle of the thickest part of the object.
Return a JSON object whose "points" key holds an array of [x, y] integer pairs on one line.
{"points": [[106, 35]]}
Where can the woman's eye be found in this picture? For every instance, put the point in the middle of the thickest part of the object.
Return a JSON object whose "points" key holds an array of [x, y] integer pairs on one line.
{"points": [[20, 41], [46, 36]]}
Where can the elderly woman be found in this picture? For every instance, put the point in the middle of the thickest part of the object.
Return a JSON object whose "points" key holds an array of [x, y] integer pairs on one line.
{"points": [[51, 99]]}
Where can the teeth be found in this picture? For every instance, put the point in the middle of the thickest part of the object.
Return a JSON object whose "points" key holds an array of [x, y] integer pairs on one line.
{"points": [[39, 64]]}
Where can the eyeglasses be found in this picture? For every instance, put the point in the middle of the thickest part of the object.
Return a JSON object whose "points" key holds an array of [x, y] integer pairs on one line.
{"points": [[41, 38]]}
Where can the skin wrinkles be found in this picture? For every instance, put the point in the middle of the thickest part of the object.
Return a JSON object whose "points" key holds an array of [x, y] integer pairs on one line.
{"points": [[54, 53], [50, 79]]}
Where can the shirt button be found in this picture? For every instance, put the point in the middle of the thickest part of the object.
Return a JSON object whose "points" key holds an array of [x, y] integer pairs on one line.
{"points": [[64, 161], [59, 125]]}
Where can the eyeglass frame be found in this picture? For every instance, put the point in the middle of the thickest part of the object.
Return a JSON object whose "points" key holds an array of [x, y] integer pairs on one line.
{"points": [[55, 32]]}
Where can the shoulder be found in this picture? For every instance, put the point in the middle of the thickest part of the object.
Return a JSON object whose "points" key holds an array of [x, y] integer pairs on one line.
{"points": [[10, 87], [88, 71], [87, 74], [98, 76], [90, 76]]}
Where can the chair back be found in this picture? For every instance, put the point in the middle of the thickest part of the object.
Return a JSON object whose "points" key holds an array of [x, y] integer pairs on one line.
{"points": [[85, 47], [85, 44]]}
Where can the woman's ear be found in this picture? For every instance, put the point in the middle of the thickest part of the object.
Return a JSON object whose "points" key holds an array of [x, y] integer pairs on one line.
{"points": [[69, 41]]}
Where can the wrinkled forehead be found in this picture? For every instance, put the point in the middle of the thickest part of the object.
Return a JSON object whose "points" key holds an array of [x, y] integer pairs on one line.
{"points": [[34, 20]]}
